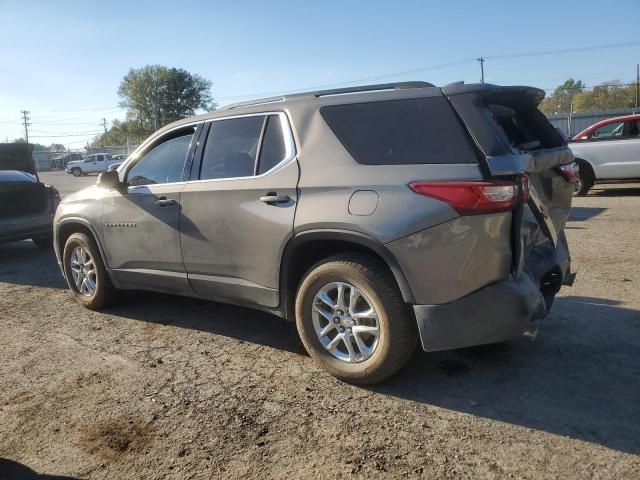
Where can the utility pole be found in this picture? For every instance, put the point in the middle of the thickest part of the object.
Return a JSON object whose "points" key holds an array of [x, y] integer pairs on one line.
{"points": [[637, 84], [104, 124], [481, 60], [26, 118]]}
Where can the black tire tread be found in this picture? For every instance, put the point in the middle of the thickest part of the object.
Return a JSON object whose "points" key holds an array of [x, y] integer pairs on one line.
{"points": [[405, 335], [106, 292], [587, 176]]}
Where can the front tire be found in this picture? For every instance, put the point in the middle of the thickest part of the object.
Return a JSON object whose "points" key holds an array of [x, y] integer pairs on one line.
{"points": [[86, 275], [76, 172], [352, 319]]}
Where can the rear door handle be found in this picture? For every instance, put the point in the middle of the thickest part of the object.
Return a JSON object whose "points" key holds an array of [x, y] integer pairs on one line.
{"points": [[272, 198], [165, 202]]}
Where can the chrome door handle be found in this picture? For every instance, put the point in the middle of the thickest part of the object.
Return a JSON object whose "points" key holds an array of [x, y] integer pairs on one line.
{"points": [[165, 202], [273, 198]]}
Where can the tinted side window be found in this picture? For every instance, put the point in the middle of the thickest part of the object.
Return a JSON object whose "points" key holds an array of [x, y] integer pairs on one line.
{"points": [[412, 131], [164, 163], [231, 148], [273, 150]]}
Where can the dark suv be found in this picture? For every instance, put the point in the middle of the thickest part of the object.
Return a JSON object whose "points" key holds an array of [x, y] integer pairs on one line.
{"points": [[372, 216]]}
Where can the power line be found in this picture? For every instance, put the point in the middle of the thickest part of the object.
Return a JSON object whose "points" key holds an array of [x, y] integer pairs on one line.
{"points": [[42, 132], [68, 135], [564, 50], [349, 82], [434, 67]]}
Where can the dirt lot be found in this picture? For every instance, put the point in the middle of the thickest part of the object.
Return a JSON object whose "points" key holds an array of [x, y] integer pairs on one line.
{"points": [[166, 387]]}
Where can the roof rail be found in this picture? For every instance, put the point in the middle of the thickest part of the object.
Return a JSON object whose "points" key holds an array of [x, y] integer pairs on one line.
{"points": [[372, 88], [251, 103]]}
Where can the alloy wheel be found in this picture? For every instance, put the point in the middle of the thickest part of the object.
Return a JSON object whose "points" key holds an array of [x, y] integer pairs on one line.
{"points": [[83, 271], [345, 322]]}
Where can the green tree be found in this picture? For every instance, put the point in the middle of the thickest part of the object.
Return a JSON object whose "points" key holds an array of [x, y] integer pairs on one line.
{"points": [[606, 96], [121, 133], [562, 97], [56, 147], [155, 95]]}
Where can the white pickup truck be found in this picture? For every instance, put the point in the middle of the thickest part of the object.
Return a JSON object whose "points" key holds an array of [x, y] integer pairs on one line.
{"points": [[608, 151], [94, 163]]}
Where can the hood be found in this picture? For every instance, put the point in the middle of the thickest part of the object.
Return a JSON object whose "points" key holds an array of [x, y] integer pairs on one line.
{"points": [[17, 156]]}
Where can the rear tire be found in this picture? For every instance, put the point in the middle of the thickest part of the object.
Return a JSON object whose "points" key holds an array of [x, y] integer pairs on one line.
{"points": [[587, 178], [43, 241], [76, 172], [98, 291], [373, 289]]}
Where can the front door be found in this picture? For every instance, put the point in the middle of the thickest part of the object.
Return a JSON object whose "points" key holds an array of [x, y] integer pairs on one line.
{"points": [[141, 223], [238, 216], [616, 148]]}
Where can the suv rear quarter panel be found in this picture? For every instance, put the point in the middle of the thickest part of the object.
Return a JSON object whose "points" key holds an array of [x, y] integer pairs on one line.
{"points": [[435, 247], [329, 176]]}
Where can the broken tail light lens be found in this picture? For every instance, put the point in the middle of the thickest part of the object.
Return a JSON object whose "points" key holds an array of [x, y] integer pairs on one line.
{"points": [[476, 198]]}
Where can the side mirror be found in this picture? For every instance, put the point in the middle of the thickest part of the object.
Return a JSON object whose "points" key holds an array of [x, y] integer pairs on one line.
{"points": [[109, 180]]}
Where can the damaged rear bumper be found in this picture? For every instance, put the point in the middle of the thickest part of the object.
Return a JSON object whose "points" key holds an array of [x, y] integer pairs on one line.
{"points": [[498, 312]]}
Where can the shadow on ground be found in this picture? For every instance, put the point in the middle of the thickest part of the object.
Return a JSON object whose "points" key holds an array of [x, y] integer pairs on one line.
{"points": [[10, 470], [578, 379], [241, 323], [581, 214], [614, 191], [22, 263]]}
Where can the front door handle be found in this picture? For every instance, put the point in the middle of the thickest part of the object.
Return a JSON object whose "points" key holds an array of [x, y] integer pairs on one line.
{"points": [[272, 198], [165, 202]]}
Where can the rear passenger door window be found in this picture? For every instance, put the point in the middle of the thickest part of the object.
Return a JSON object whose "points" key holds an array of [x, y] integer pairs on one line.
{"points": [[231, 148], [243, 147]]}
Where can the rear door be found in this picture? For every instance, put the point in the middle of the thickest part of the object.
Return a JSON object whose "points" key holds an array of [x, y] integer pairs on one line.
{"points": [[237, 212]]}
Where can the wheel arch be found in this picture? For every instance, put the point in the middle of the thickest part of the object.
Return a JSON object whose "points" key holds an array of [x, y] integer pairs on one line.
{"points": [[70, 225], [308, 247], [583, 161]]}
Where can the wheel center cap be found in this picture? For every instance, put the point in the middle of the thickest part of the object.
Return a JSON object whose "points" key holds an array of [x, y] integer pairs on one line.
{"points": [[347, 322]]}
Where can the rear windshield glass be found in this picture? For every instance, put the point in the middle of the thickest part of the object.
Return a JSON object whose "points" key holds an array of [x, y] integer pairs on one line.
{"points": [[397, 132], [524, 126]]}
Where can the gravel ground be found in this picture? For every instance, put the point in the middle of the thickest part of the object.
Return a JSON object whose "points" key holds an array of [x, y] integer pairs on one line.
{"points": [[168, 387]]}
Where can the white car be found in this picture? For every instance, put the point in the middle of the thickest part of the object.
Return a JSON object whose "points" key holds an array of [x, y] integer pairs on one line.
{"points": [[94, 163], [608, 151]]}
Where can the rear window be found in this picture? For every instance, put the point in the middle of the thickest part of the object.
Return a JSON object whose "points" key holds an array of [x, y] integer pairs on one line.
{"points": [[523, 125], [399, 132]]}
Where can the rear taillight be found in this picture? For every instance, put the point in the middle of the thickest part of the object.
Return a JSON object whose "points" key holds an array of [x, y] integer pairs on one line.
{"points": [[570, 172], [476, 198]]}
